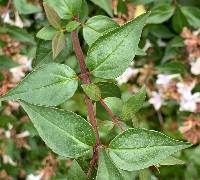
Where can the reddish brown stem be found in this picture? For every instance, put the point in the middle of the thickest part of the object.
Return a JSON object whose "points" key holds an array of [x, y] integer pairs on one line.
{"points": [[110, 113], [85, 79]]}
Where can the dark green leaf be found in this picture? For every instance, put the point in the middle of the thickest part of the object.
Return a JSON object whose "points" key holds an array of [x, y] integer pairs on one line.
{"points": [[52, 16], [105, 58], [43, 84], [66, 133], [96, 27], [105, 5], [6, 63], [137, 149], [46, 33], [58, 43], [160, 13], [75, 172]]}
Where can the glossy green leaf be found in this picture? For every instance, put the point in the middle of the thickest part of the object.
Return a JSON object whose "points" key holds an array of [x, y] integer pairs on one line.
{"points": [[108, 171], [66, 133], [105, 58], [66, 8], [171, 161], [46, 33], [134, 103], [75, 172], [92, 91], [160, 13], [52, 16], [192, 15], [96, 27], [49, 84], [179, 21], [137, 149], [72, 25], [25, 7], [58, 43], [106, 5]]}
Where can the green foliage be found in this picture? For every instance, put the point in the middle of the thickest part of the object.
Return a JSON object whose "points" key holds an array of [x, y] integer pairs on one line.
{"points": [[58, 43], [66, 133], [104, 58], [92, 91], [137, 149], [46, 33], [40, 86], [72, 25]]}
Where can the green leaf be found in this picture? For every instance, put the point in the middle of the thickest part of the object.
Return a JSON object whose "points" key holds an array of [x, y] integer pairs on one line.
{"points": [[58, 43], [109, 89], [72, 25], [6, 63], [66, 8], [170, 161], [108, 171], [66, 133], [172, 67], [179, 21], [160, 13], [192, 15], [115, 104], [92, 91], [75, 172], [96, 27], [24, 7], [52, 16], [106, 5], [46, 33], [134, 103], [140, 52], [49, 84], [137, 149], [105, 58]]}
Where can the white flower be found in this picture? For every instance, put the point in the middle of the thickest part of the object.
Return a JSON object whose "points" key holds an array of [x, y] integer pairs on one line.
{"points": [[164, 80], [130, 72], [195, 67], [17, 22], [156, 100], [34, 177], [188, 101]]}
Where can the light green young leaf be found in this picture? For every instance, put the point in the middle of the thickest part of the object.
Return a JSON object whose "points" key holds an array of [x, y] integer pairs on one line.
{"points": [[105, 58], [160, 13], [46, 33], [25, 7], [75, 172], [170, 161], [92, 91], [52, 16], [108, 171], [96, 27], [58, 43], [66, 133], [134, 103], [49, 84], [106, 5], [192, 15], [66, 8], [137, 149], [72, 25]]}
